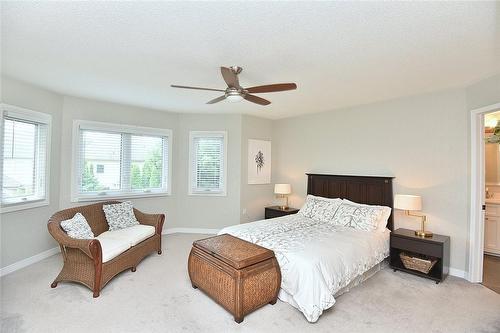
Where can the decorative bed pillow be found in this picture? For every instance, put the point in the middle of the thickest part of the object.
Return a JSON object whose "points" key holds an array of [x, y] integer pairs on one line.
{"points": [[120, 215], [359, 216], [77, 227], [319, 208], [384, 216]]}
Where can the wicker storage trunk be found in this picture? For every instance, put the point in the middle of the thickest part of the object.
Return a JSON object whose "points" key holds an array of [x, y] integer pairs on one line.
{"points": [[239, 275]]}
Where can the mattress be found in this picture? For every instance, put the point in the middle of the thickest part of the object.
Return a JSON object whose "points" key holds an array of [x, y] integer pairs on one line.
{"points": [[318, 260]]}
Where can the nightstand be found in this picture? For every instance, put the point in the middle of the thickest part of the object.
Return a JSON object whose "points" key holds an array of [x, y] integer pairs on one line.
{"points": [[437, 246], [276, 211]]}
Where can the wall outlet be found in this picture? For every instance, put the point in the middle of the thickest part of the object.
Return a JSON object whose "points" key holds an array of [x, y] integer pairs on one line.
{"points": [[244, 211]]}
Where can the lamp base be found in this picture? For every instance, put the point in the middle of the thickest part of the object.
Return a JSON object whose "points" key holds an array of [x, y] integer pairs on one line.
{"points": [[283, 207], [423, 233]]}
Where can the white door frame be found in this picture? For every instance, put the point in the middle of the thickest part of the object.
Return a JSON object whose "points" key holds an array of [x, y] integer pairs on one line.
{"points": [[477, 180]]}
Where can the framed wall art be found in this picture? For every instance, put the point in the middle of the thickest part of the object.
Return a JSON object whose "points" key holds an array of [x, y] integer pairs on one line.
{"points": [[259, 162]]}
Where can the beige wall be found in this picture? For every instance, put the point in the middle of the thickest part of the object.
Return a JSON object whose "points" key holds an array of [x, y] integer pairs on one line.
{"points": [[423, 141], [492, 170], [420, 140], [212, 212], [254, 197], [24, 233], [84, 109]]}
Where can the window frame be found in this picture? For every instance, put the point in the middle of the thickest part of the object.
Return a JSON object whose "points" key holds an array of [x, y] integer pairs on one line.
{"points": [[28, 115], [192, 172], [77, 196]]}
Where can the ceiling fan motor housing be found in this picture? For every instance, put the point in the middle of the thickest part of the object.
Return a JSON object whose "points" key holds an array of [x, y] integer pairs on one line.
{"points": [[236, 69]]}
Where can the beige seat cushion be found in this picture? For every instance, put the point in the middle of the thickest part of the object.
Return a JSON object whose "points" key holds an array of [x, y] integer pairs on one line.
{"points": [[134, 235], [112, 247]]}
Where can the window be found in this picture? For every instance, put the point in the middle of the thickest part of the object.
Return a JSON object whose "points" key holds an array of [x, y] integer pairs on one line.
{"points": [[25, 142], [120, 161], [99, 168], [207, 160]]}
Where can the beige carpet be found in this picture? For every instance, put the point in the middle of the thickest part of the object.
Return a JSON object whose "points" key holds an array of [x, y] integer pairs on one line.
{"points": [[159, 298]]}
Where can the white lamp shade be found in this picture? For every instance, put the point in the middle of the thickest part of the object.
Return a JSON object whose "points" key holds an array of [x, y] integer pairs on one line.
{"points": [[282, 188], [408, 202]]}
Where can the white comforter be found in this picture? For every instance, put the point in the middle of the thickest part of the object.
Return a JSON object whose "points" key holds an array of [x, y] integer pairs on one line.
{"points": [[316, 259]]}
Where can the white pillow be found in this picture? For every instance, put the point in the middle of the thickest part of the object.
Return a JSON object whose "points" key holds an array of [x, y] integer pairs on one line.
{"points": [[362, 217], [319, 208], [77, 227], [120, 215]]}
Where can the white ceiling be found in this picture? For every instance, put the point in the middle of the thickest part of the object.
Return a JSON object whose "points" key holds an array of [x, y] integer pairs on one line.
{"points": [[339, 53]]}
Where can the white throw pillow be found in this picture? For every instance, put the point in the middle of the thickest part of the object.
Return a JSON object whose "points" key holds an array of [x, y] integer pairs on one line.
{"points": [[362, 217], [319, 208], [120, 215], [77, 227]]}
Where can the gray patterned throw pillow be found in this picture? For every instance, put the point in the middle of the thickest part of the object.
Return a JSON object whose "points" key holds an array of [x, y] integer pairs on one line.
{"points": [[120, 215], [77, 227], [361, 217], [319, 208]]}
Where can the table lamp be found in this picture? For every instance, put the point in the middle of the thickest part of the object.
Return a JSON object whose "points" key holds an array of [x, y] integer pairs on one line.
{"points": [[282, 191], [410, 203]]}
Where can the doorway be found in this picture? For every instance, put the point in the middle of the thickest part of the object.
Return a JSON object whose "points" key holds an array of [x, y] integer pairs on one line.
{"points": [[491, 259], [484, 239]]}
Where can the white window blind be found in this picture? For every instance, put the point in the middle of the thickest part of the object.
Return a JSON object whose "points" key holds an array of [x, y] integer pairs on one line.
{"points": [[25, 146], [208, 163], [121, 161]]}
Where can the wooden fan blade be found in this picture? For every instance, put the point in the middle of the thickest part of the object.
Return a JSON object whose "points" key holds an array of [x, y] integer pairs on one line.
{"points": [[197, 88], [256, 99], [217, 100], [230, 77], [272, 88]]}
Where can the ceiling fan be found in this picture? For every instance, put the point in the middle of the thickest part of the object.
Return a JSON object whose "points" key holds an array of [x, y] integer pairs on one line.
{"points": [[235, 93]]}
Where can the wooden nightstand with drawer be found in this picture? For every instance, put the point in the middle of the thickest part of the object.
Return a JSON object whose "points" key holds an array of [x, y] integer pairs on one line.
{"points": [[436, 247], [276, 211]]}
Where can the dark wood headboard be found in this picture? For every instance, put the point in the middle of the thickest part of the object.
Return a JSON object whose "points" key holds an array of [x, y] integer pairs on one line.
{"points": [[370, 190]]}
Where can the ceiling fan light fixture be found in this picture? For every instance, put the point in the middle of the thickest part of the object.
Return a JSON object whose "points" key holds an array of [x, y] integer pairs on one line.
{"points": [[236, 93], [234, 97]]}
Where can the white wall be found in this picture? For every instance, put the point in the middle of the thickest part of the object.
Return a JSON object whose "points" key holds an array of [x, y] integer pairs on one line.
{"points": [[24, 233], [484, 92]]}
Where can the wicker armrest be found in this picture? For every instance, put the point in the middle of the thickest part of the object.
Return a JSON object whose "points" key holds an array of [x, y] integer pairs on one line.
{"points": [[155, 220], [90, 247]]}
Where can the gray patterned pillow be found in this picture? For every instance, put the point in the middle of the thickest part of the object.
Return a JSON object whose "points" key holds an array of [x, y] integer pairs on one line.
{"points": [[319, 208], [120, 215], [77, 227], [361, 217]]}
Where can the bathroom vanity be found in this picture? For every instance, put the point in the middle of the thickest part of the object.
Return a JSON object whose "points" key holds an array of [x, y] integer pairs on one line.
{"points": [[492, 226]]}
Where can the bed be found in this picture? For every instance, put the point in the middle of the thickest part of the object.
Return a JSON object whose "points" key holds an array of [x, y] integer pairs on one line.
{"points": [[320, 261]]}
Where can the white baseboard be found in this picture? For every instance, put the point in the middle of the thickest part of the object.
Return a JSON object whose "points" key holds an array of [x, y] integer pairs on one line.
{"points": [[37, 257], [458, 273], [28, 261], [189, 231]]}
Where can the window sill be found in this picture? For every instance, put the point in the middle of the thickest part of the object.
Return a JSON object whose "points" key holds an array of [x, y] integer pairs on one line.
{"points": [[23, 205], [208, 194], [118, 196]]}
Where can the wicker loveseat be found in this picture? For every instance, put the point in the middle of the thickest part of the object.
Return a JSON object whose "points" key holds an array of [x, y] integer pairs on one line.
{"points": [[83, 258]]}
